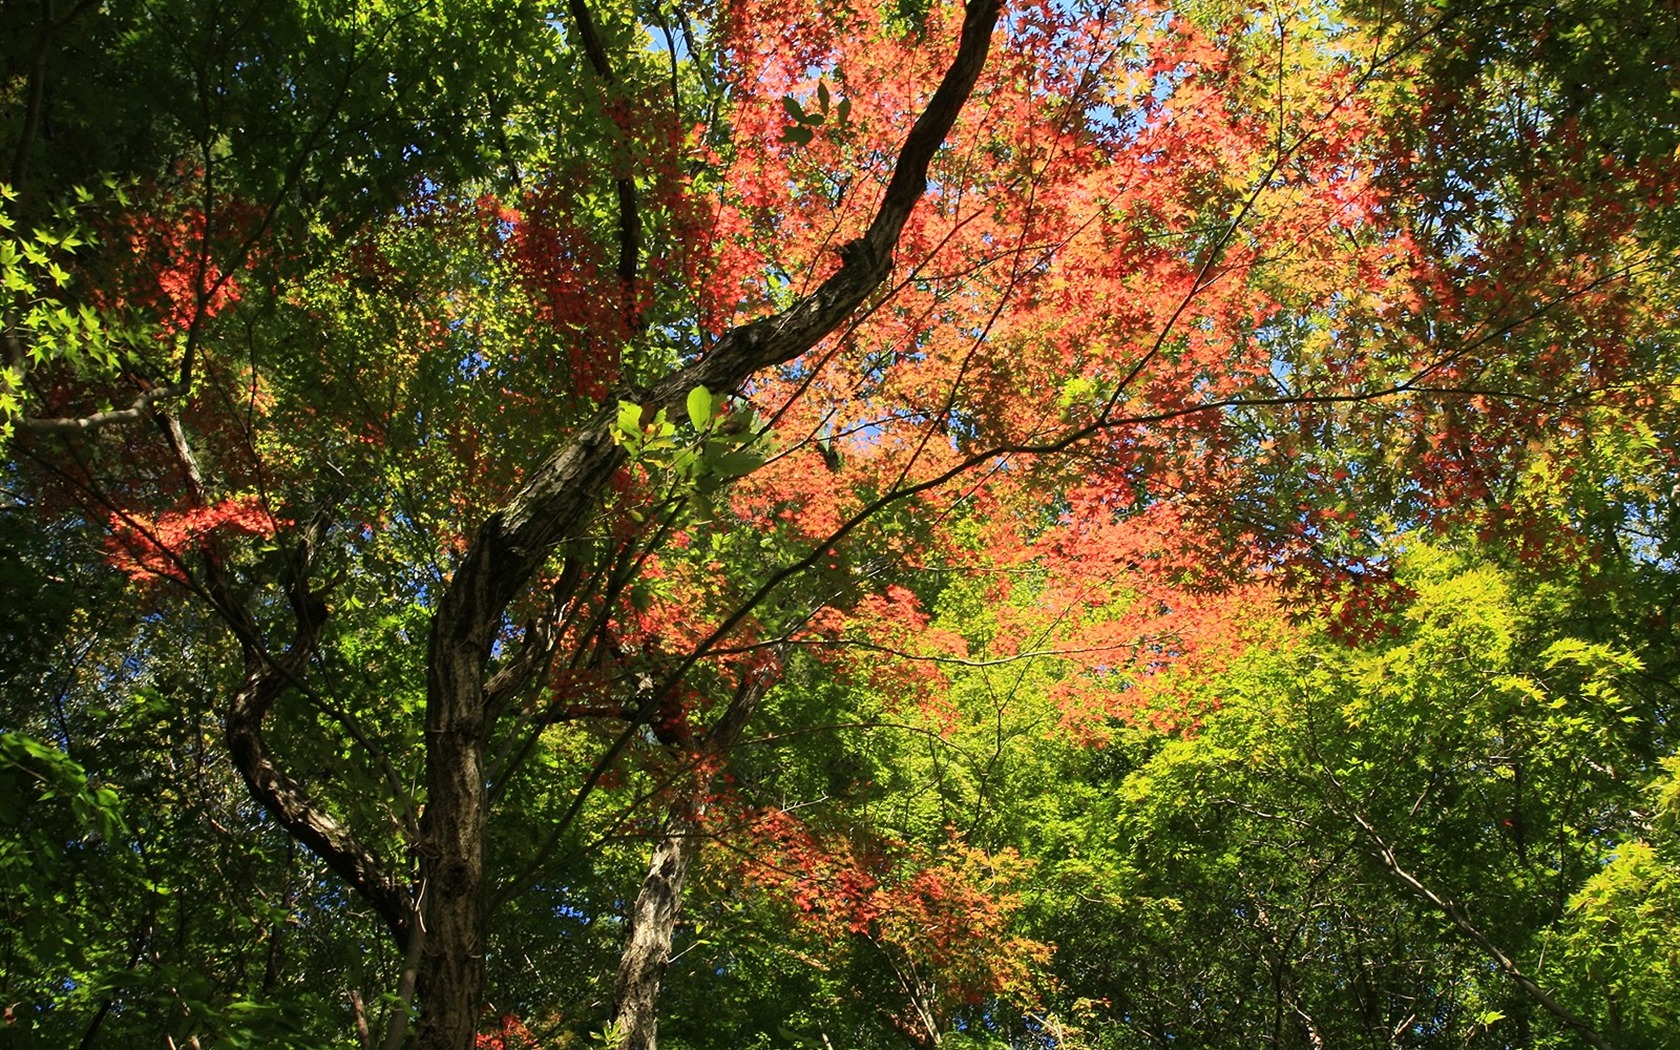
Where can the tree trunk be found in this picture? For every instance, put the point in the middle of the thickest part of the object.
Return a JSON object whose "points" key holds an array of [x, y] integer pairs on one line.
{"points": [[653, 922], [450, 983], [451, 978], [558, 496]]}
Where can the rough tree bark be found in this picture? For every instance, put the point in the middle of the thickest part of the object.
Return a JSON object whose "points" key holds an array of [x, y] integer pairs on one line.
{"points": [[653, 924]]}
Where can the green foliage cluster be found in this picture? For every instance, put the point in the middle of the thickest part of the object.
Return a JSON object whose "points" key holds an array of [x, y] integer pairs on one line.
{"points": [[724, 444], [1500, 765], [1226, 887], [39, 323]]}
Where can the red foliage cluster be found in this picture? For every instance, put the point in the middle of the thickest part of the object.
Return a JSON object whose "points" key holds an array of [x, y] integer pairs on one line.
{"points": [[169, 258], [180, 285], [510, 1034], [947, 914], [569, 275], [1363, 608], [158, 547]]}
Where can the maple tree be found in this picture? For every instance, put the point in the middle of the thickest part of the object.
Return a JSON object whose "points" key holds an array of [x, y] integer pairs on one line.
{"points": [[533, 419], [1346, 783]]}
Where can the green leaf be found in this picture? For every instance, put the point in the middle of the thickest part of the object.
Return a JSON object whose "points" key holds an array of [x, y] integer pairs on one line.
{"points": [[736, 464], [699, 406]]}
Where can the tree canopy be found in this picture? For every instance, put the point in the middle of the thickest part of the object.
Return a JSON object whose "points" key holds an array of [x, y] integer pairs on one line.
{"points": [[939, 524]]}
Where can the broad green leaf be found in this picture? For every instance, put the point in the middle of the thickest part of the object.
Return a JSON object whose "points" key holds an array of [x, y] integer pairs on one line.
{"points": [[700, 407]]}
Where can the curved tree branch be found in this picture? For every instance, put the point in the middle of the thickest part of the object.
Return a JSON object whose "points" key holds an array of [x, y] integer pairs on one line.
{"points": [[287, 801], [139, 408], [266, 678], [561, 491], [560, 495]]}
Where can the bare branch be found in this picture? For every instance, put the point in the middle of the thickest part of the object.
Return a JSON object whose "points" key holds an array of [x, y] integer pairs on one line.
{"points": [[629, 218], [139, 408], [267, 677]]}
